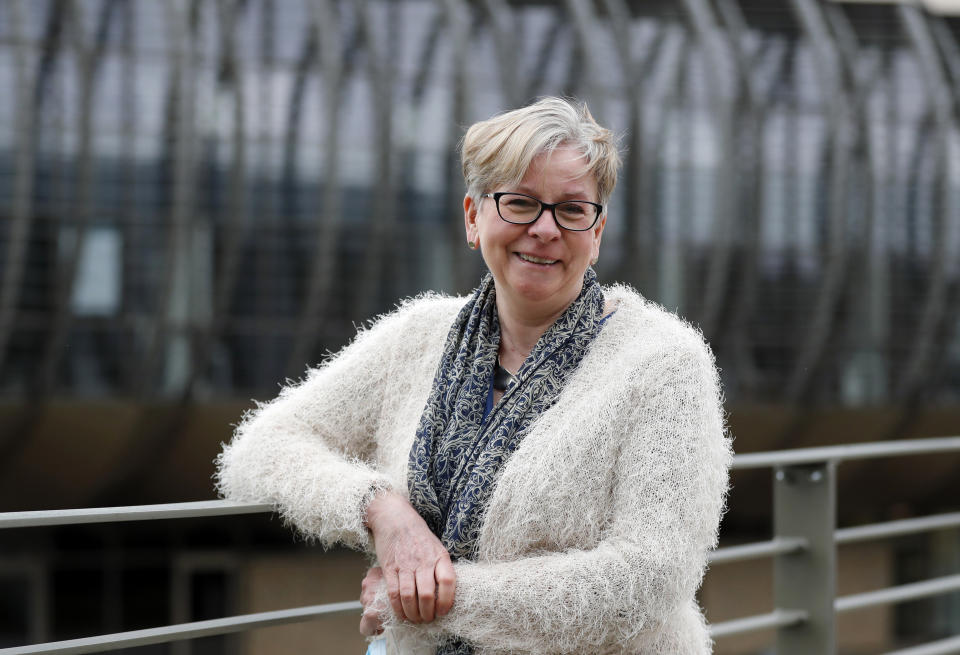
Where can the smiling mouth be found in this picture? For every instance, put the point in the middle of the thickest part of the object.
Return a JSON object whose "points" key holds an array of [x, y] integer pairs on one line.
{"points": [[536, 260]]}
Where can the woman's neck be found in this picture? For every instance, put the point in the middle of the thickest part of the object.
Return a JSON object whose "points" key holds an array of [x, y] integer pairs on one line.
{"points": [[519, 333]]}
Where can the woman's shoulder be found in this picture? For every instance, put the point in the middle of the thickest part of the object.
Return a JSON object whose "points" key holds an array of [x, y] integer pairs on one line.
{"points": [[429, 306], [414, 327], [646, 328], [425, 311]]}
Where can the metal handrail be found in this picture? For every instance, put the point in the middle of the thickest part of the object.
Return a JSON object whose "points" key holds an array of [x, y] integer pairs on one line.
{"points": [[192, 630], [131, 513], [891, 595], [897, 528], [855, 534], [756, 550], [831, 456], [947, 646], [779, 618], [792, 457], [800, 456], [776, 619], [209, 508]]}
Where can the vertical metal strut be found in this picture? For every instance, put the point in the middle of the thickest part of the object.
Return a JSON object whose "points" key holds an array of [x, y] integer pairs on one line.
{"points": [[805, 506], [22, 205], [180, 99], [934, 307], [324, 25], [836, 108], [88, 57], [377, 260]]}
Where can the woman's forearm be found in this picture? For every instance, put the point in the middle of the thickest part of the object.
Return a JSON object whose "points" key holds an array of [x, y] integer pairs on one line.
{"points": [[316, 489], [308, 450]]}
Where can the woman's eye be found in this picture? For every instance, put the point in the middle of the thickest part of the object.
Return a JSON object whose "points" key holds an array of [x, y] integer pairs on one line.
{"points": [[521, 204], [573, 210]]}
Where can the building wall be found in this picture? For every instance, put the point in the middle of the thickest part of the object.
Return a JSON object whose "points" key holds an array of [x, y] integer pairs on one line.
{"points": [[199, 201], [730, 591], [271, 582]]}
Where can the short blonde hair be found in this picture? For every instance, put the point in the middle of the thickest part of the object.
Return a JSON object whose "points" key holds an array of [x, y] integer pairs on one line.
{"points": [[498, 151]]}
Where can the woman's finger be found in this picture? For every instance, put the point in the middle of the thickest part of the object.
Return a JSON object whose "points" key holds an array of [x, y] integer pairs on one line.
{"points": [[446, 580], [426, 593], [370, 624], [370, 586], [408, 596], [393, 593]]}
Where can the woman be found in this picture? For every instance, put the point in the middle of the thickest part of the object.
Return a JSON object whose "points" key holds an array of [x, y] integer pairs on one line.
{"points": [[540, 468]]}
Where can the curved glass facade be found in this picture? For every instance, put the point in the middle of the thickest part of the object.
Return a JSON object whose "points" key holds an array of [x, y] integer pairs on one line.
{"points": [[198, 199]]}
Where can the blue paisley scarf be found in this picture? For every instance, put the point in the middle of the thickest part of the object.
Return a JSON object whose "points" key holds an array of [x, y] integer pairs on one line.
{"points": [[459, 449]]}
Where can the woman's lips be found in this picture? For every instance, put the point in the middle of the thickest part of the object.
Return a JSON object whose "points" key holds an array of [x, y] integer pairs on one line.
{"points": [[533, 259]]}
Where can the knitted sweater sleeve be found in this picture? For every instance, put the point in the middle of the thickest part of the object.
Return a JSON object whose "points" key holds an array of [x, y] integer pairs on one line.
{"points": [[309, 451], [669, 484]]}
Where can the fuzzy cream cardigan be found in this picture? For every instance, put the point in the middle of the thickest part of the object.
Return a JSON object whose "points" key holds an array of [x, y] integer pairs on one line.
{"points": [[596, 536]]}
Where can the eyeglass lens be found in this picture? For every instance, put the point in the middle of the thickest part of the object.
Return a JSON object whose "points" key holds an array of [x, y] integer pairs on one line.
{"points": [[573, 215]]}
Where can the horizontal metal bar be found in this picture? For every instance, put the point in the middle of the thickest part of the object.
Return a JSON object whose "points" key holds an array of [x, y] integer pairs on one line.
{"points": [[947, 646], [892, 595], [779, 546], [182, 631], [775, 619], [132, 513], [225, 507], [897, 528], [798, 456]]}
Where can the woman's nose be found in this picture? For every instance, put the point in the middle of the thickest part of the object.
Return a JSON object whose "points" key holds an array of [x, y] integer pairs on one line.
{"points": [[545, 227]]}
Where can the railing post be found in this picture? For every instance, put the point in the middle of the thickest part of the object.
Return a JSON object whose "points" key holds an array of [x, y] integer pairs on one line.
{"points": [[805, 502]]}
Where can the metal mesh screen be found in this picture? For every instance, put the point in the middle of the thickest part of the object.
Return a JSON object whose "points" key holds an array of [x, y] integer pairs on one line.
{"points": [[202, 198]]}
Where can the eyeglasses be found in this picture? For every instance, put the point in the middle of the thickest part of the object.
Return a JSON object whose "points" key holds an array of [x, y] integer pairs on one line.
{"points": [[521, 209]]}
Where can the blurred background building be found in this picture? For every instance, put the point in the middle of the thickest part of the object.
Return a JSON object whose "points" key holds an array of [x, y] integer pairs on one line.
{"points": [[200, 198]]}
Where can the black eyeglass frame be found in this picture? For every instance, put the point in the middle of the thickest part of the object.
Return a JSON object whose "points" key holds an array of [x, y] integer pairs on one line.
{"points": [[544, 206]]}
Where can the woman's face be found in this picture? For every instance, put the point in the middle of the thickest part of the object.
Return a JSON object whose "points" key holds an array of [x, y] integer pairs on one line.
{"points": [[554, 279]]}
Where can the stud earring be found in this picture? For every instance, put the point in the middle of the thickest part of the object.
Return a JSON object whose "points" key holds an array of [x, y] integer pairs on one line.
{"points": [[593, 262], [472, 245]]}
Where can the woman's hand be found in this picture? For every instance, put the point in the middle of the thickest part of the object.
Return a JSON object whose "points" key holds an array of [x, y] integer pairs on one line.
{"points": [[415, 565], [370, 623]]}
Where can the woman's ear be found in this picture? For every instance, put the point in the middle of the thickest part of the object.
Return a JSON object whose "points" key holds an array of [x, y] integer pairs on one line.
{"points": [[470, 210], [597, 235]]}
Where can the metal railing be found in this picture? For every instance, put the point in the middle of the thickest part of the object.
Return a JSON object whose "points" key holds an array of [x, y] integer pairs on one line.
{"points": [[803, 548], [805, 541]]}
